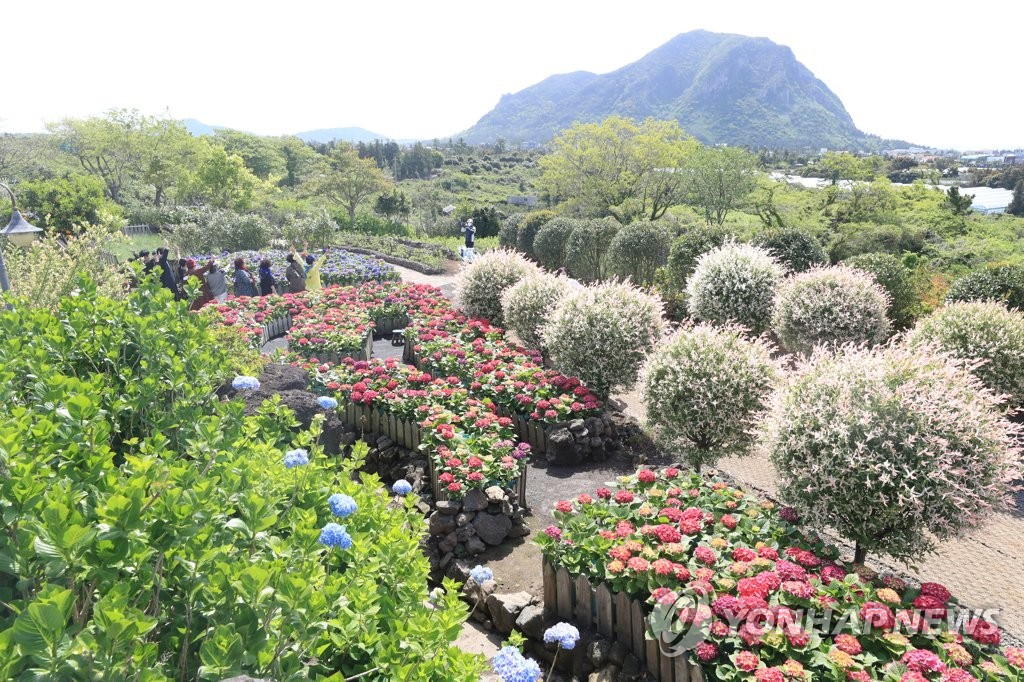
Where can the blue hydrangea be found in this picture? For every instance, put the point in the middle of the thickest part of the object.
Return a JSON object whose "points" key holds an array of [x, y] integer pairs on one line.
{"points": [[243, 383], [327, 403], [402, 487], [511, 666], [565, 634], [334, 535], [342, 505], [481, 574], [296, 457]]}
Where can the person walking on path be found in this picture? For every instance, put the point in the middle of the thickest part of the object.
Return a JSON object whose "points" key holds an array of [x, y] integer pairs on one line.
{"points": [[217, 283], [245, 281], [295, 274], [267, 282], [469, 230]]}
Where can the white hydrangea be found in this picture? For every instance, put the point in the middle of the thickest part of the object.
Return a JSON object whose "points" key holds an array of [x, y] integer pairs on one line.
{"points": [[528, 304], [892, 446], [705, 386], [479, 286], [980, 331], [830, 306], [734, 284], [603, 333]]}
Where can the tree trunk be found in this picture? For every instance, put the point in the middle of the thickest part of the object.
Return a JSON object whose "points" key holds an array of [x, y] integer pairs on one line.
{"points": [[860, 554]]}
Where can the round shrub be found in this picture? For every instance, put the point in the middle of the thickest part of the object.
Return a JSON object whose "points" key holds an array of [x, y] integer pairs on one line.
{"points": [[893, 447], [735, 284], [831, 306], [1003, 283], [549, 244], [586, 251], [638, 250], [795, 249], [479, 286], [704, 387], [980, 330], [528, 304], [602, 334], [530, 226], [897, 280], [508, 233], [687, 248]]}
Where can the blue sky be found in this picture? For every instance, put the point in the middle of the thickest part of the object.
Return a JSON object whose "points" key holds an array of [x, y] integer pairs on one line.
{"points": [[411, 69]]}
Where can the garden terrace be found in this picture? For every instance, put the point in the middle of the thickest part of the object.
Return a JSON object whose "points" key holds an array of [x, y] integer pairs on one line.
{"points": [[337, 267]]}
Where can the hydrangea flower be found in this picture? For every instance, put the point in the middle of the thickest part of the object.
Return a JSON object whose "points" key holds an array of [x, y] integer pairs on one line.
{"points": [[334, 535], [342, 505], [244, 383], [402, 487], [565, 634], [296, 457], [327, 403], [481, 574], [510, 665]]}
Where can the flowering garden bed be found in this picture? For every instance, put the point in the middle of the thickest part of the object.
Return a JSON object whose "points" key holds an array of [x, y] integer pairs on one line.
{"points": [[337, 267], [751, 596]]}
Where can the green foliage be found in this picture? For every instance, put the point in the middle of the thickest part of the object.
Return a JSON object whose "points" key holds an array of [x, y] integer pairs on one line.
{"points": [[1003, 283], [68, 203], [368, 223], [795, 249], [586, 251], [318, 230], [687, 248], [486, 221], [154, 533], [211, 230], [529, 227], [430, 254], [347, 180], [957, 203], [719, 179], [508, 233], [852, 239], [392, 205], [638, 250], [1016, 206], [218, 179], [550, 243], [898, 281]]}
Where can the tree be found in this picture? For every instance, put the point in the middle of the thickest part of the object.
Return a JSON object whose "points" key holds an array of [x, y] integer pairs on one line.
{"points": [[719, 178], [69, 203], [263, 156], [168, 149], [219, 179], [838, 166], [349, 180], [391, 205], [1016, 206], [958, 203], [618, 168]]}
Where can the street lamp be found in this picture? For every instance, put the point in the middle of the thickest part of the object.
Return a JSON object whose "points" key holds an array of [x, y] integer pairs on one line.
{"points": [[19, 232]]}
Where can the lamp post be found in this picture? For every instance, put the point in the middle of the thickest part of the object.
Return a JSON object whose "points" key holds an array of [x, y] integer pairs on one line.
{"points": [[19, 232]]}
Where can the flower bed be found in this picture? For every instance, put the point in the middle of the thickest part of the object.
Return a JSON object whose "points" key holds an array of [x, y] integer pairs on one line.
{"points": [[708, 558], [338, 267]]}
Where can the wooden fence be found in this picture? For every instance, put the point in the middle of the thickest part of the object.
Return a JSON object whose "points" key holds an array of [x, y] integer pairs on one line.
{"points": [[615, 615], [132, 230]]}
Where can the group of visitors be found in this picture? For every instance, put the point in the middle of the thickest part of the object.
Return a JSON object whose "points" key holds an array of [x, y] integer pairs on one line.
{"points": [[302, 274]]}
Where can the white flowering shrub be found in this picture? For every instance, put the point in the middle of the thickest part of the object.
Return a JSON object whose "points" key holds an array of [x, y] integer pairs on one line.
{"points": [[479, 286], [830, 306], [603, 333], [528, 304], [734, 284], [894, 447], [704, 387], [980, 331]]}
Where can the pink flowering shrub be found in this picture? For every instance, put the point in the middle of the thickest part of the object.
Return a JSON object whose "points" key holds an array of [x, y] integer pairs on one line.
{"points": [[480, 285], [830, 306], [892, 447], [528, 305], [982, 331], [734, 284], [704, 387]]}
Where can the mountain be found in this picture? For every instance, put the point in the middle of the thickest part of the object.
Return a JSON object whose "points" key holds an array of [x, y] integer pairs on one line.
{"points": [[198, 128], [346, 134], [722, 88]]}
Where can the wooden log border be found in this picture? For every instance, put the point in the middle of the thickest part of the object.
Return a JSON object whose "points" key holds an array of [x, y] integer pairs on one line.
{"points": [[615, 615]]}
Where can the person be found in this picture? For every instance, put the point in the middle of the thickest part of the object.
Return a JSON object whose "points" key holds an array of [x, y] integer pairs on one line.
{"points": [[267, 282], [199, 274], [217, 283], [181, 274], [312, 272], [470, 231], [295, 274], [167, 278], [245, 281]]}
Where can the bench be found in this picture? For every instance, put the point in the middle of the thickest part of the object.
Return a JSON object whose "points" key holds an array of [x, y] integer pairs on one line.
{"points": [[398, 337]]}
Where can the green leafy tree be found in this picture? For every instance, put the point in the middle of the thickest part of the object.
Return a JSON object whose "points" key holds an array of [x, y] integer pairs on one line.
{"points": [[638, 250], [618, 168], [392, 205], [219, 179], [838, 166], [348, 180], [264, 156], [68, 203], [586, 251], [168, 150], [958, 203], [1016, 206], [719, 179]]}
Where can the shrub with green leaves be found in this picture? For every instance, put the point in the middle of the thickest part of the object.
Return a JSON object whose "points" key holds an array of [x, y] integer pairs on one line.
{"points": [[154, 532], [212, 230], [980, 331], [508, 233], [1003, 283], [897, 280], [528, 304], [528, 229], [603, 333], [734, 284], [796, 250], [638, 250], [893, 447], [830, 306], [317, 230], [550, 242], [704, 387], [687, 248], [480, 285], [586, 251]]}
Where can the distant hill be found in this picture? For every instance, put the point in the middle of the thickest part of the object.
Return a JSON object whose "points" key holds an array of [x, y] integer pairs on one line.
{"points": [[722, 88], [346, 134], [198, 128]]}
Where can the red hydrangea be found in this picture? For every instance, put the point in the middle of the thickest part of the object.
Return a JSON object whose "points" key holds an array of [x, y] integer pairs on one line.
{"points": [[705, 555], [604, 493], [877, 615], [706, 652], [667, 533], [848, 644], [646, 476], [982, 631], [623, 497], [769, 675], [936, 590], [564, 506], [923, 661], [747, 661]]}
